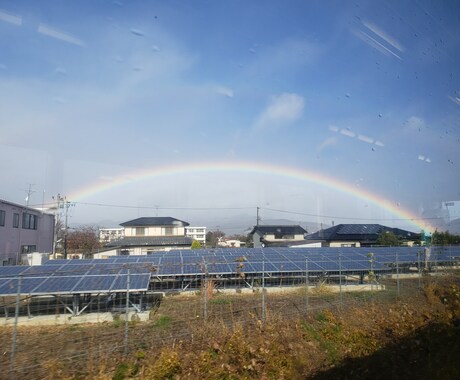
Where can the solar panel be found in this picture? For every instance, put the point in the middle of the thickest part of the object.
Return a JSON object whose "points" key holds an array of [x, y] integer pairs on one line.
{"points": [[58, 284], [95, 275]]}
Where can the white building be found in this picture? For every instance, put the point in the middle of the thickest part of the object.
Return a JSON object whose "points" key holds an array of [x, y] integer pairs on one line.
{"points": [[23, 230], [196, 233], [146, 235]]}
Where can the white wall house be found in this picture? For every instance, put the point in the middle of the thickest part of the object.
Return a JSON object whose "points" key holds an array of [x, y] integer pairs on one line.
{"points": [[279, 235], [197, 233], [146, 235], [23, 230]]}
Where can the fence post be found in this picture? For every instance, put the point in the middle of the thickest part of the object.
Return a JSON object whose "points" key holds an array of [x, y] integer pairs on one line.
{"points": [[126, 314], [419, 253], [397, 275], [371, 272], [15, 328], [306, 287], [263, 290], [205, 292], [340, 278]]}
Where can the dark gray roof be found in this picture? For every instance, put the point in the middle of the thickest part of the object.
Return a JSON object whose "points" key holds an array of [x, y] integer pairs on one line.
{"points": [[146, 241], [155, 221], [359, 232], [284, 230]]}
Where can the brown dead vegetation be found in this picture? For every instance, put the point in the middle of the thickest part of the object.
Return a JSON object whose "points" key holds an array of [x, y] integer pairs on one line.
{"points": [[376, 337]]}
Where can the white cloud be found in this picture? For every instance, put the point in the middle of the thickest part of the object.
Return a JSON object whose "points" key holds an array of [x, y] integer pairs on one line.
{"points": [[10, 18], [283, 109], [221, 90], [333, 128]]}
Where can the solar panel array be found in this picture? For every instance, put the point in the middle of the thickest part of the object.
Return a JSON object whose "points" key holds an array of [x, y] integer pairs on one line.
{"points": [[74, 277], [110, 275]]}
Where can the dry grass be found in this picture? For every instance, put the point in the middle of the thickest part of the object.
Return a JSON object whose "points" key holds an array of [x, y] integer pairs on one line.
{"points": [[234, 343]]}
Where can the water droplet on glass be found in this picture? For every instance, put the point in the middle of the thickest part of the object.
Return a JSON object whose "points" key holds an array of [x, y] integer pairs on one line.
{"points": [[138, 68], [347, 95], [155, 48], [253, 51], [137, 32], [380, 115]]}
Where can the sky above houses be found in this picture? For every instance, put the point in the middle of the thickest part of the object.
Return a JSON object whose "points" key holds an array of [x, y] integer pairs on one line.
{"points": [[205, 110]]}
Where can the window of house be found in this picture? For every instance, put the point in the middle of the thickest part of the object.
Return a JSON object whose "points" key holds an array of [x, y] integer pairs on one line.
{"points": [[278, 233], [2, 218], [29, 221], [15, 220], [140, 231], [169, 230], [28, 248]]}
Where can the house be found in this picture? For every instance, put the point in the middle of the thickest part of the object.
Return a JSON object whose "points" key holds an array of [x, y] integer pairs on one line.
{"points": [[146, 235], [23, 230], [359, 235], [196, 233], [281, 236]]}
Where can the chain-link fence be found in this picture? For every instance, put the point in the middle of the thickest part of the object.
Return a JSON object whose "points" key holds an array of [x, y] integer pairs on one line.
{"points": [[41, 334]]}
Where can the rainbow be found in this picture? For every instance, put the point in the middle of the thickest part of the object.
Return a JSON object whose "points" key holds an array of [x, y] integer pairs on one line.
{"points": [[257, 168]]}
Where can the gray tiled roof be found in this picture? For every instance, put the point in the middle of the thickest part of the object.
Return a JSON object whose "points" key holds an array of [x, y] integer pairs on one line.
{"points": [[279, 229], [155, 221], [146, 241], [359, 232]]}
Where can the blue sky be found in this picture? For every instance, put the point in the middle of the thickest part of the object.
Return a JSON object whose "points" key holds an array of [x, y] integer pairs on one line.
{"points": [[366, 93]]}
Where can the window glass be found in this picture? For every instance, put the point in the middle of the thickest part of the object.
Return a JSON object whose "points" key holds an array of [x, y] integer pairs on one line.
{"points": [[15, 220], [232, 113]]}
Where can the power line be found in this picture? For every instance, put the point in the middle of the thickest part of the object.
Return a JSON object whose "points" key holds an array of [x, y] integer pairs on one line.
{"points": [[156, 208], [164, 208], [348, 218]]}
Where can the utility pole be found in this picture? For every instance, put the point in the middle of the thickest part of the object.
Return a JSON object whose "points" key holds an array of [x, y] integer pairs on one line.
{"points": [[258, 217], [29, 192], [67, 204], [62, 204]]}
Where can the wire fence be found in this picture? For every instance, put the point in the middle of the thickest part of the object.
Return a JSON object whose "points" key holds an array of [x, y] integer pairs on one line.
{"points": [[42, 334]]}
